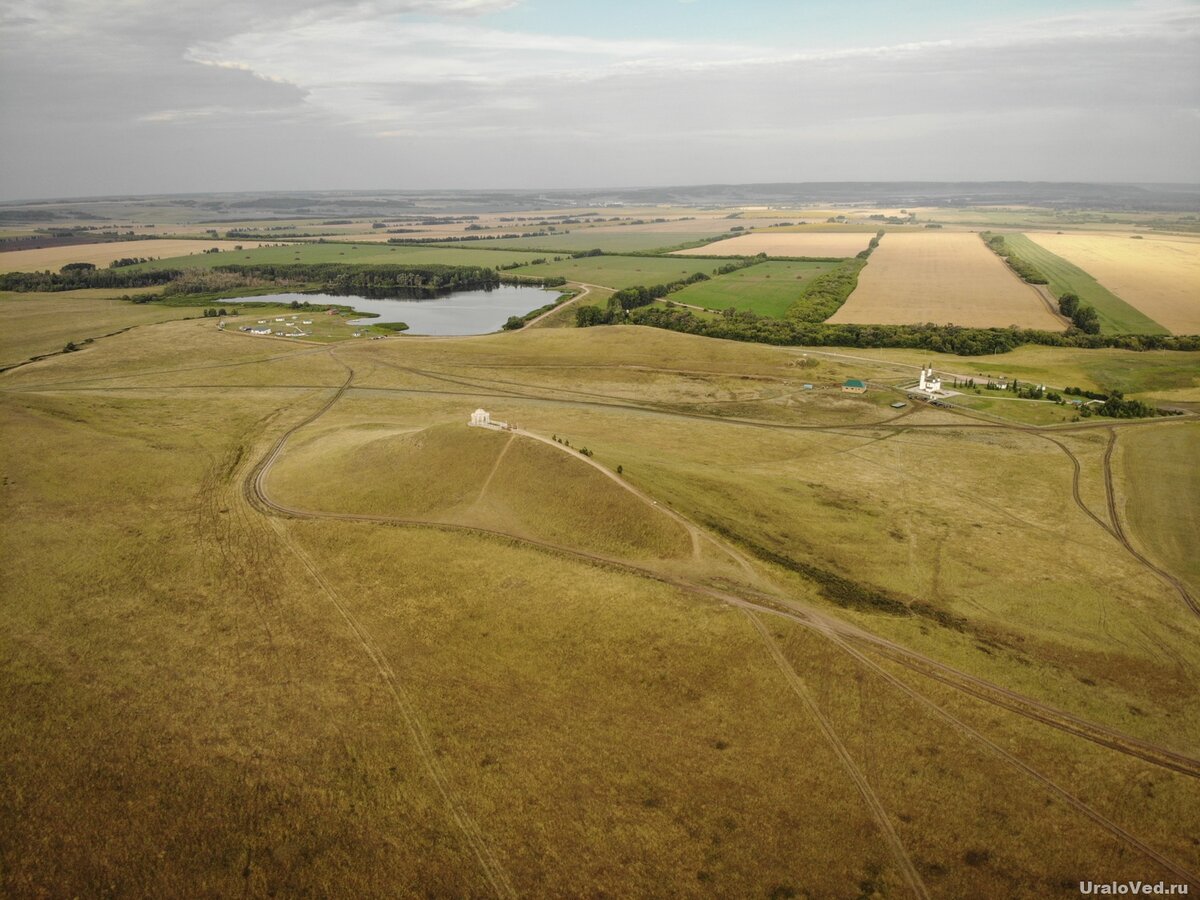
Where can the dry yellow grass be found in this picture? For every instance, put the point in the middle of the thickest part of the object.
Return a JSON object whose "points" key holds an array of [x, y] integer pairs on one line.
{"points": [[803, 243], [1160, 277], [944, 278], [54, 258], [269, 705]]}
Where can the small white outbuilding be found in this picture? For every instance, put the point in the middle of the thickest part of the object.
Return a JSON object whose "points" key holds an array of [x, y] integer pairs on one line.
{"points": [[481, 418]]}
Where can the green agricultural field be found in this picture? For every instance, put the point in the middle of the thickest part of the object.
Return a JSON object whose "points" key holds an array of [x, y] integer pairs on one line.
{"points": [[274, 607], [616, 241], [1116, 316], [366, 253], [767, 289], [621, 271]]}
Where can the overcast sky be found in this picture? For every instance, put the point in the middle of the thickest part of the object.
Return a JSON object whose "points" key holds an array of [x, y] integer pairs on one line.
{"points": [[151, 96]]}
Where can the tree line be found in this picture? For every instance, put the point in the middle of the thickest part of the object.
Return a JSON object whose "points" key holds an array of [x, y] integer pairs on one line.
{"points": [[960, 340], [76, 276]]}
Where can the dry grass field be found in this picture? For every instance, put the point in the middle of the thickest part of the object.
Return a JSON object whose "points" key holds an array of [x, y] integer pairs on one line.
{"points": [[33, 324], [1159, 277], [1161, 490], [54, 258], [792, 243], [944, 278], [277, 622]]}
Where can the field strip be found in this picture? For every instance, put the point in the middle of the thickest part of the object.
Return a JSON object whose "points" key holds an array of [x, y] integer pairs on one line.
{"points": [[1160, 279], [909, 872], [1116, 315], [823, 244], [943, 278], [1070, 799], [102, 253]]}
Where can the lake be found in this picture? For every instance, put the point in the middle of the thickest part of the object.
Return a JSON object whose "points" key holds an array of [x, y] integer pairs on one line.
{"points": [[460, 312]]}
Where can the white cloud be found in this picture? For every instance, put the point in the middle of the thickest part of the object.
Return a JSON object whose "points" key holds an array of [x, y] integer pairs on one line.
{"points": [[460, 100]]}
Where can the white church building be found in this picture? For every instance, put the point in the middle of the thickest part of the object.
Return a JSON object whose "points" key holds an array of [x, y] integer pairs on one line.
{"points": [[929, 383], [481, 418]]}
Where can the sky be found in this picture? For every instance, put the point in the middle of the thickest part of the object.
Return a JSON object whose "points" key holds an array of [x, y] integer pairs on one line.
{"points": [[148, 96]]}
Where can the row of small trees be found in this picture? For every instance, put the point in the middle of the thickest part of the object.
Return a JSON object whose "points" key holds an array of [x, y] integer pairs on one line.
{"points": [[957, 339]]}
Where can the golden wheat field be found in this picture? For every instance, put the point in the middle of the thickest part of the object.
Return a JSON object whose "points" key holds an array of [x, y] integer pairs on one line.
{"points": [[801, 243], [1159, 277], [55, 258], [944, 278]]}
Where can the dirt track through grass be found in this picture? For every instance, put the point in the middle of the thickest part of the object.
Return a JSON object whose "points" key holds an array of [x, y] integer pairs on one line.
{"points": [[888, 831], [255, 491], [775, 599]]}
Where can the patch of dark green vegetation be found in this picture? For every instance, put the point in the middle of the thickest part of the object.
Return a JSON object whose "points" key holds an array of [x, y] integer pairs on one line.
{"points": [[825, 294], [371, 279], [517, 322], [747, 326], [1026, 270], [1081, 315], [842, 591], [78, 276], [626, 299], [1115, 406]]}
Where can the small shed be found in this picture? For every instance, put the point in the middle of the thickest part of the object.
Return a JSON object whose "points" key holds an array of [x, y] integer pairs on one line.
{"points": [[854, 386]]}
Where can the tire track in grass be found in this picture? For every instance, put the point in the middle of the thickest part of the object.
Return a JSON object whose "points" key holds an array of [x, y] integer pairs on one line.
{"points": [[495, 468], [493, 872], [1119, 531], [253, 494], [1070, 799], [907, 870], [1032, 709]]}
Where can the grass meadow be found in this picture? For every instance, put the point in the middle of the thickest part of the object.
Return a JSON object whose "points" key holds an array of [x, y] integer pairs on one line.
{"points": [[620, 271], [622, 240], [362, 253], [767, 289], [33, 324], [802, 242], [204, 699], [1161, 491]]}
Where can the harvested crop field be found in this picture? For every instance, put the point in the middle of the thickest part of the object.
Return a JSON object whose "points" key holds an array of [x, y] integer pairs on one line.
{"points": [[792, 243], [1158, 277], [54, 258], [944, 278]]}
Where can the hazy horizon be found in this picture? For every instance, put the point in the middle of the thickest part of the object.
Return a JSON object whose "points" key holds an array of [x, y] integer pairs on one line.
{"points": [[112, 98]]}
